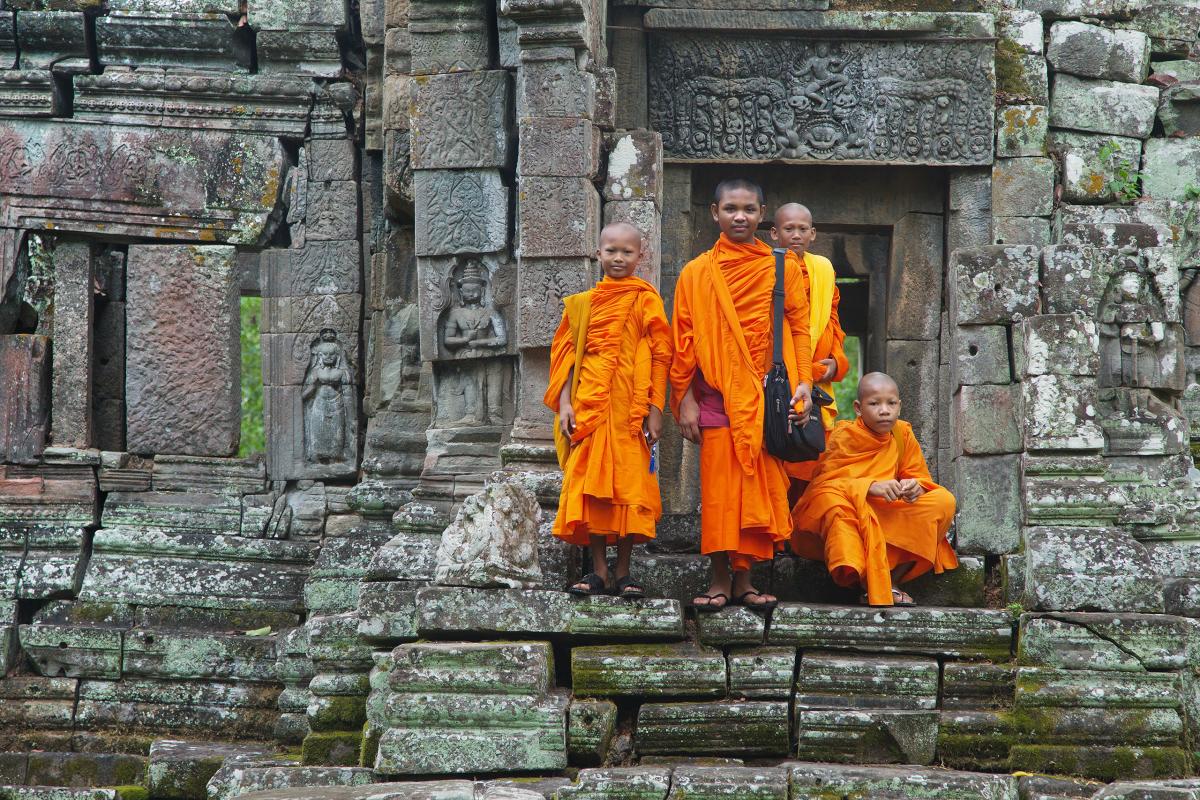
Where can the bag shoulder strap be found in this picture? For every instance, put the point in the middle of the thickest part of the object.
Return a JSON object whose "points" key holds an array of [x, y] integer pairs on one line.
{"points": [[777, 301], [900, 459], [579, 331]]}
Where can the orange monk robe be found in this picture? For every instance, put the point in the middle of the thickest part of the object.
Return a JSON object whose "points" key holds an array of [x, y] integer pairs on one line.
{"points": [[860, 538], [723, 331], [608, 488], [828, 338]]}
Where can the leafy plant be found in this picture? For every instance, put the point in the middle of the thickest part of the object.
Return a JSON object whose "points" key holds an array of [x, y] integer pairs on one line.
{"points": [[1126, 180], [1191, 192]]}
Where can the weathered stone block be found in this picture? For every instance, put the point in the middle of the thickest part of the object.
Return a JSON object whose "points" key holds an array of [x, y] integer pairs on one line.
{"points": [[914, 275], [406, 556], [875, 736], [243, 711], [635, 167], [318, 268], [816, 781], [681, 670], [1110, 642], [988, 420], [542, 283], [461, 120], [466, 211], [733, 625], [1021, 231], [44, 703], [24, 396], [1122, 109], [448, 37], [1021, 130], [1086, 177], [646, 217], [182, 355], [1171, 26], [492, 540], [1023, 27], [712, 782], [718, 729], [1179, 107], [970, 685], [590, 728], [1101, 569], [1170, 167], [558, 217], [621, 783], [558, 147], [1091, 51], [993, 285], [1023, 187], [1061, 413], [969, 221], [550, 84], [959, 633], [180, 770], [73, 652], [73, 309], [387, 611], [761, 672], [1042, 687], [989, 504], [980, 355], [165, 653], [78, 770], [451, 733], [843, 681], [1140, 226], [1057, 344], [483, 668], [915, 366], [242, 775]]}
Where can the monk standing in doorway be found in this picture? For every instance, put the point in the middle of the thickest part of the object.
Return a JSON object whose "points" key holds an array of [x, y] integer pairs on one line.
{"points": [[723, 341]]}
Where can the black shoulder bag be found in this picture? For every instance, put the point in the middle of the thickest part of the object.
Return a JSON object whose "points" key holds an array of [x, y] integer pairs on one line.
{"points": [[782, 439]]}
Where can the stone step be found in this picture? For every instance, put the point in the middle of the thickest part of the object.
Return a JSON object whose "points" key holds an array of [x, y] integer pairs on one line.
{"points": [[67, 793]]}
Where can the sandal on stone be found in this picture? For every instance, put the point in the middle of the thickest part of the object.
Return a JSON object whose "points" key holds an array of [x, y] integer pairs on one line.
{"points": [[589, 585], [766, 605], [630, 589], [899, 598], [710, 607]]}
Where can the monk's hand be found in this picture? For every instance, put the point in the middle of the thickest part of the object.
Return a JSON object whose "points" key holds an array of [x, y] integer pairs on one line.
{"points": [[911, 489], [689, 418], [830, 369], [652, 426], [566, 419], [888, 490], [802, 404]]}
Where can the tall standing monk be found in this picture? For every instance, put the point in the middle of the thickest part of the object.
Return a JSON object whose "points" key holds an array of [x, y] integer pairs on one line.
{"points": [[723, 342], [608, 382], [872, 512], [794, 230]]}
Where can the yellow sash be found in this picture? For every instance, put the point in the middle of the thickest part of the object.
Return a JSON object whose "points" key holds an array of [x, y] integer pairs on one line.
{"points": [[579, 312], [821, 279]]}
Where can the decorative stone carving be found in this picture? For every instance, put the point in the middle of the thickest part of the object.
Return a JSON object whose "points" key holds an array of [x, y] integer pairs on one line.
{"points": [[1136, 423], [473, 393], [543, 283], [761, 99], [493, 540], [466, 307], [1139, 348], [466, 211], [24, 396], [328, 402], [72, 345], [461, 120]]}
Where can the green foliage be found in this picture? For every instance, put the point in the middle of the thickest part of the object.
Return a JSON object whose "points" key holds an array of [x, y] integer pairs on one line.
{"points": [[1126, 181], [253, 434], [1010, 69], [847, 390], [1191, 192]]}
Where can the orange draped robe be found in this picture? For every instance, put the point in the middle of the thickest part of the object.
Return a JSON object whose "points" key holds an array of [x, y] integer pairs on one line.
{"points": [[827, 342], [860, 538], [608, 488], [722, 325]]}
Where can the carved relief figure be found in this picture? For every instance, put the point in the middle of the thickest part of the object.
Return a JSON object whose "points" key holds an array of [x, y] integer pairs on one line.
{"points": [[473, 328], [1132, 330], [326, 401]]}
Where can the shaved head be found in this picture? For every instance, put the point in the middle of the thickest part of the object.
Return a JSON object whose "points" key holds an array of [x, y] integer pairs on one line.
{"points": [[620, 229], [874, 382], [791, 209]]}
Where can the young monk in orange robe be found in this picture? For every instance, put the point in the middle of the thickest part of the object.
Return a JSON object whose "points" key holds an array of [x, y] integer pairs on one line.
{"points": [[794, 230], [608, 383], [872, 513], [723, 343]]}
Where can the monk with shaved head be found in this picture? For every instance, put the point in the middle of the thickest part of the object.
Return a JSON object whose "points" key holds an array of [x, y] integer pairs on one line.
{"points": [[608, 383], [793, 228], [872, 512]]}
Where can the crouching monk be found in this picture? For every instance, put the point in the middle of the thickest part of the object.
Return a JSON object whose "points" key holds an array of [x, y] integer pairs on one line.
{"points": [[872, 512]]}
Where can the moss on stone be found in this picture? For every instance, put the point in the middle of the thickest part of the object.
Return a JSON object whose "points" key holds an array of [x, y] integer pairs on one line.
{"points": [[370, 746], [331, 749], [1101, 763], [132, 792], [339, 713], [1010, 71]]}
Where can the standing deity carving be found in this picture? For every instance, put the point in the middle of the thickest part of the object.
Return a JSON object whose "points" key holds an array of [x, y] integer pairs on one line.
{"points": [[327, 400], [473, 328], [1133, 333]]}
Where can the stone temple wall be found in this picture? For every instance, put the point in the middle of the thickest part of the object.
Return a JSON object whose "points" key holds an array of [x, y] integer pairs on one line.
{"points": [[411, 186]]}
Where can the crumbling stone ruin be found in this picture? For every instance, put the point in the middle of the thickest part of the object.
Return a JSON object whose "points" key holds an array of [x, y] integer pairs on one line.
{"points": [[1009, 189]]}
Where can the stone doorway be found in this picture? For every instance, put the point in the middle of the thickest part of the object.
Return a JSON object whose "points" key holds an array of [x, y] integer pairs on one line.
{"points": [[884, 227]]}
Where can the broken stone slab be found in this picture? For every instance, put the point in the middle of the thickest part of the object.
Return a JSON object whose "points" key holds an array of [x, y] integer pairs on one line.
{"points": [[1086, 177], [751, 728], [648, 670], [993, 285], [57, 793], [1039, 687], [1099, 762], [232, 710], [1068, 569], [761, 673], [74, 652], [1021, 130], [387, 611], [1179, 107], [1170, 167], [828, 680], [473, 668], [950, 632], [711, 783], [872, 736], [1023, 187], [1091, 51], [619, 783], [406, 556], [1119, 642], [1074, 277], [182, 511], [54, 562], [437, 734], [817, 781], [546, 787], [1139, 226], [973, 685], [492, 541], [167, 653], [590, 728], [1099, 106], [733, 625], [181, 770], [1185, 789], [79, 770], [1061, 413], [509, 612]]}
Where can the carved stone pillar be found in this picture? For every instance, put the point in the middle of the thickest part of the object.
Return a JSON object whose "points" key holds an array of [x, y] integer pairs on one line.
{"points": [[71, 418]]}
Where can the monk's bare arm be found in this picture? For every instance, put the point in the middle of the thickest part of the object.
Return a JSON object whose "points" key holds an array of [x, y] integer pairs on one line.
{"points": [[689, 416], [566, 411]]}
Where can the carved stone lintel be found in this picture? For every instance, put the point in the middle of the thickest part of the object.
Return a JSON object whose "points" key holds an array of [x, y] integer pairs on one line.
{"points": [[758, 99]]}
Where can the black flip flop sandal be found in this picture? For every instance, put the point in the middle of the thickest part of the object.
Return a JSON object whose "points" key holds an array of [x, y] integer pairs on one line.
{"points": [[629, 589], [709, 608], [740, 600], [595, 586]]}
